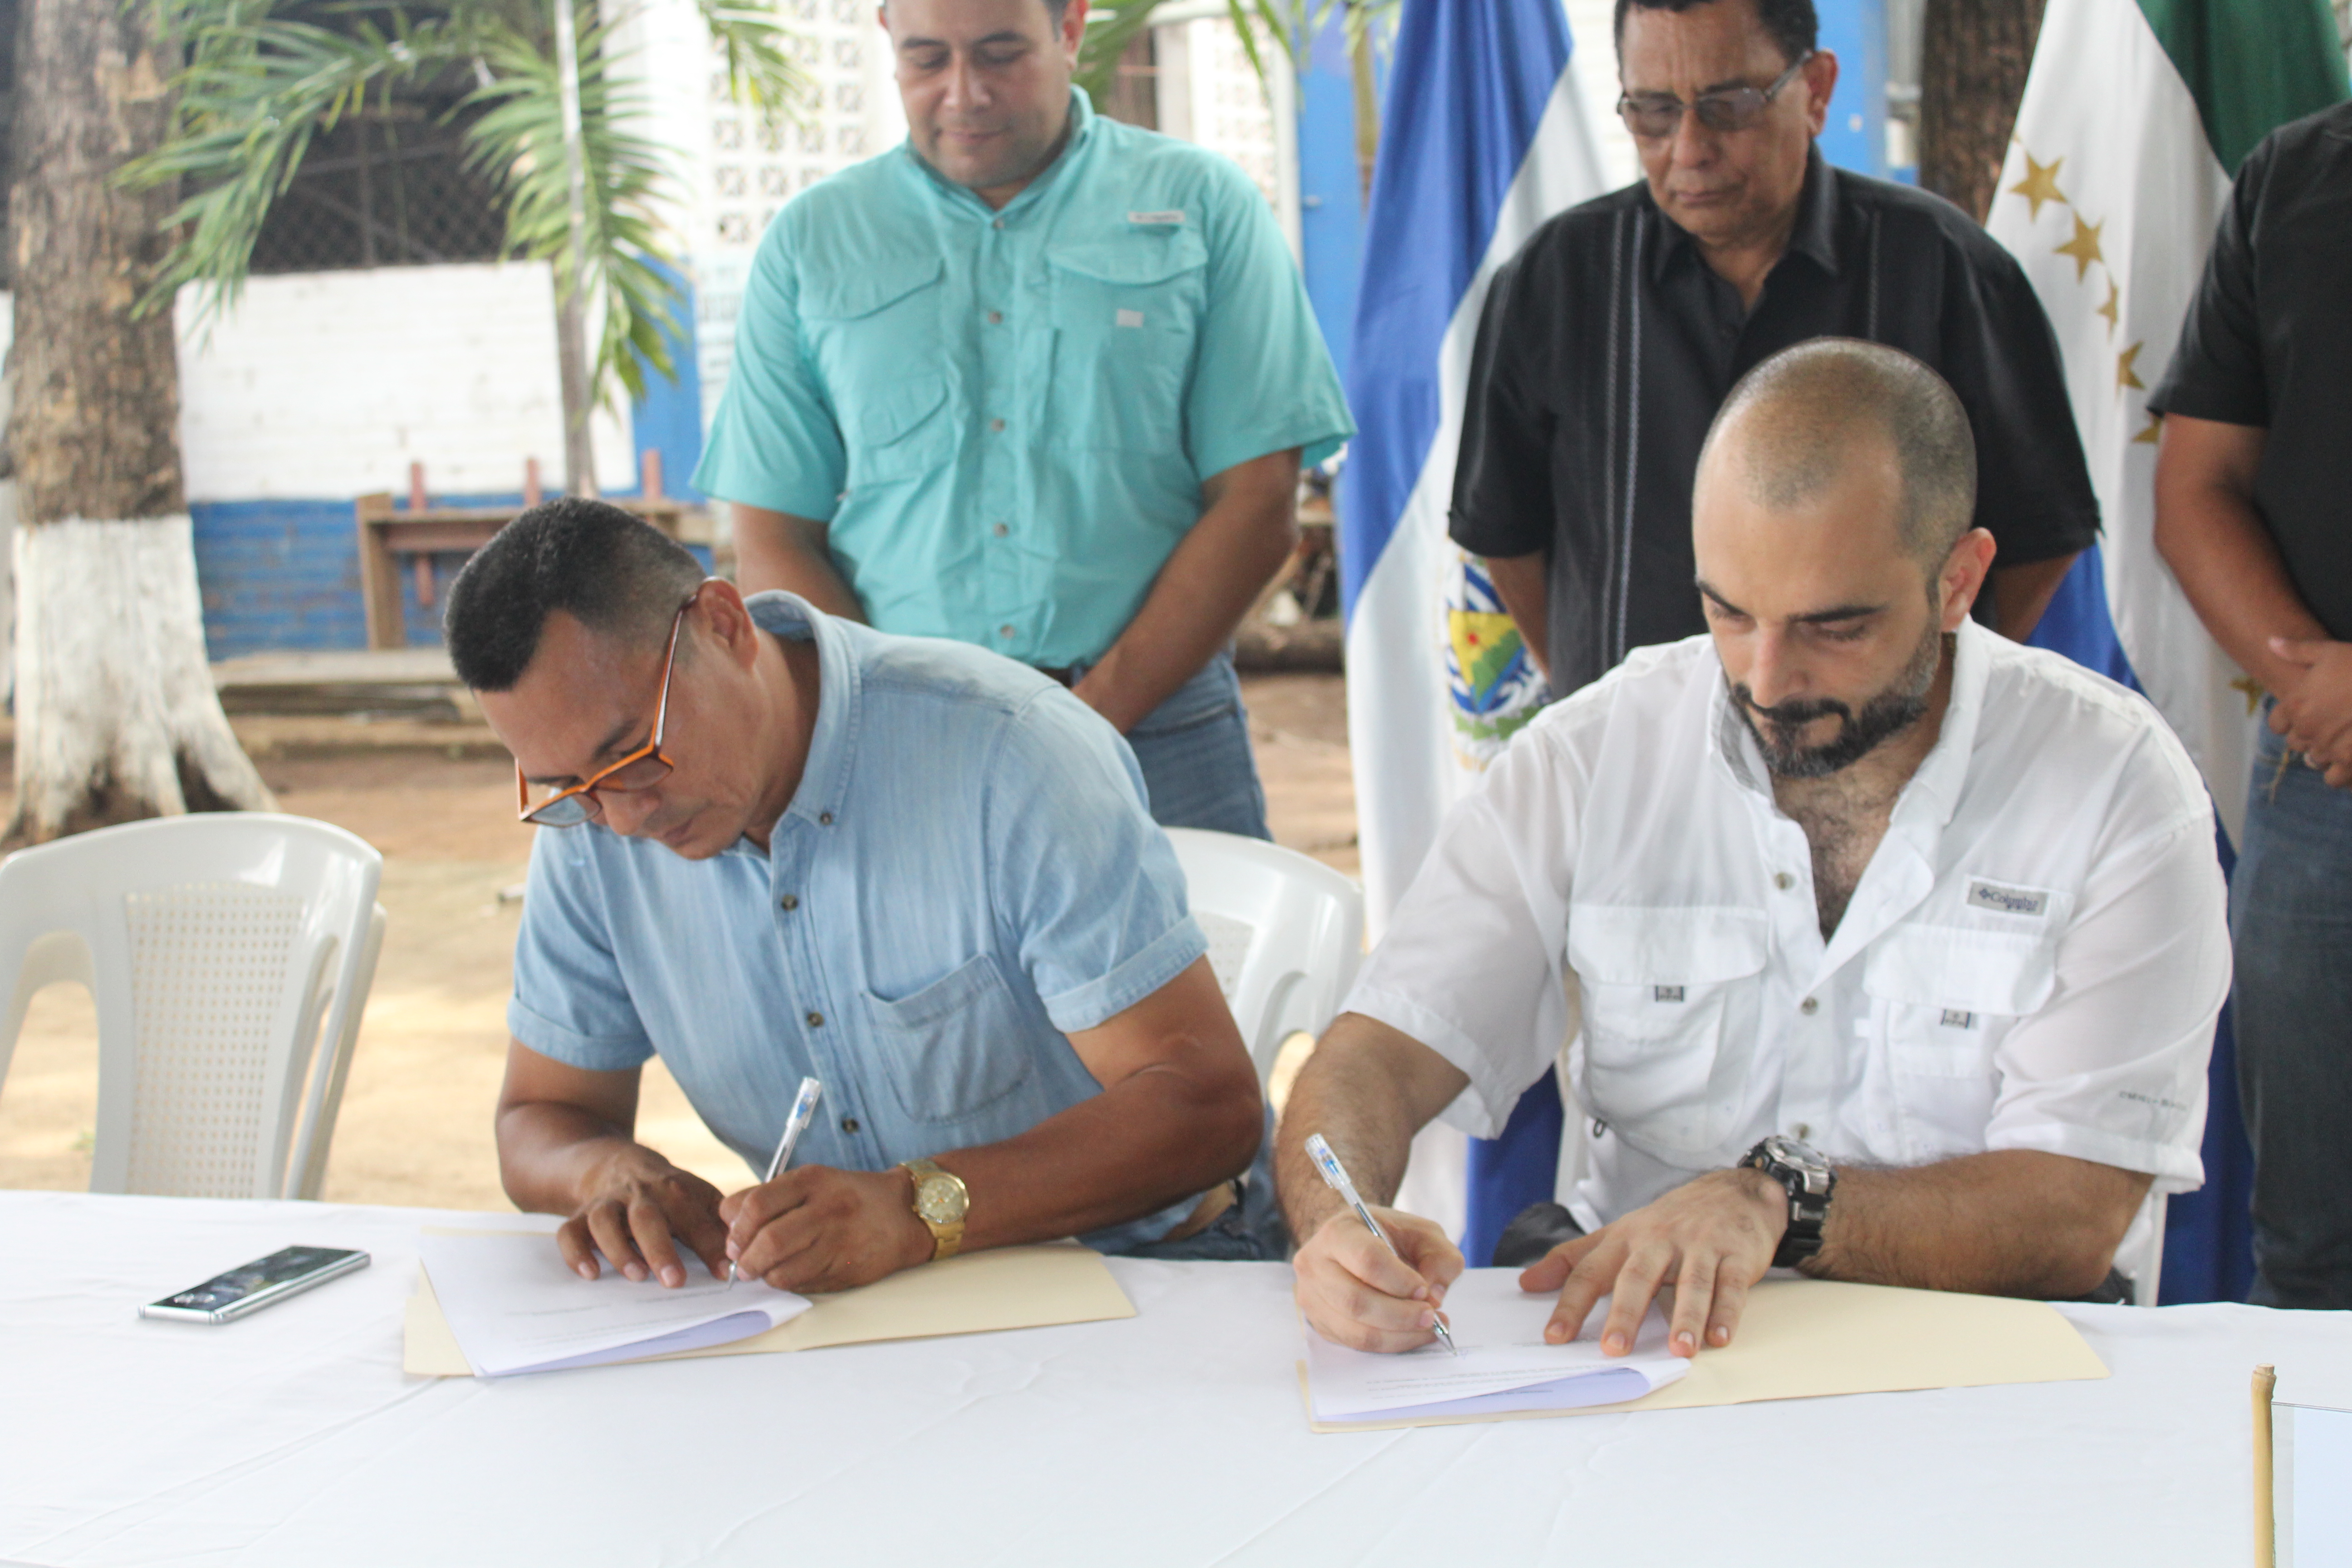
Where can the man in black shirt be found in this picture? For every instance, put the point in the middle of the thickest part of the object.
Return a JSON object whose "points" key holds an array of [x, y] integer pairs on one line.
{"points": [[1610, 341], [2253, 514]]}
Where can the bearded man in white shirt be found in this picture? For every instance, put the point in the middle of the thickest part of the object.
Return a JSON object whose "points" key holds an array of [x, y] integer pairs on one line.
{"points": [[1889, 950]]}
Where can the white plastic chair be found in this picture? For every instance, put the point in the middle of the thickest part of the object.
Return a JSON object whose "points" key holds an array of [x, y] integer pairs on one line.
{"points": [[1286, 934], [2141, 1257], [229, 955]]}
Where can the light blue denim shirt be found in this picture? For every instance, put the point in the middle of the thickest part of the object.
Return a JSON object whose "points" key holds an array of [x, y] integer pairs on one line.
{"points": [[1005, 417], [966, 875]]}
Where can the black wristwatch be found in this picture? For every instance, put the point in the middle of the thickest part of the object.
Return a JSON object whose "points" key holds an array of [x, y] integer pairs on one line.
{"points": [[1798, 1167]]}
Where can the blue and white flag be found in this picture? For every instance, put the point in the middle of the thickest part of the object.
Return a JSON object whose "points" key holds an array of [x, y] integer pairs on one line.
{"points": [[1484, 136]]}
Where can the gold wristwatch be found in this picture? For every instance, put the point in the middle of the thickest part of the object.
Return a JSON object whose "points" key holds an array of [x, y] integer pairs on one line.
{"points": [[940, 1199]]}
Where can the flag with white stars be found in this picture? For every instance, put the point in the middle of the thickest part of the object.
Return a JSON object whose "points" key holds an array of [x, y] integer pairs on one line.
{"points": [[2135, 115]]}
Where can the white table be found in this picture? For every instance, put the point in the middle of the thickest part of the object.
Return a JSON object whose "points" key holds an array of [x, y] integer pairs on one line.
{"points": [[1174, 1438]]}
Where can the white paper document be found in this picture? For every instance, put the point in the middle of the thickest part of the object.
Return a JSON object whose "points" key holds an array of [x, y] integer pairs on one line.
{"points": [[2311, 1428], [515, 1305], [1505, 1365]]}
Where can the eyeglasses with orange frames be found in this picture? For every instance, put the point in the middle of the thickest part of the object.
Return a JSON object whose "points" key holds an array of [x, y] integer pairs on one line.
{"points": [[640, 769]]}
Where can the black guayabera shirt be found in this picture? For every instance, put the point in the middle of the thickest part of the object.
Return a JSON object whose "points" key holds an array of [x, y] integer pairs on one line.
{"points": [[2269, 342], [1607, 345]]}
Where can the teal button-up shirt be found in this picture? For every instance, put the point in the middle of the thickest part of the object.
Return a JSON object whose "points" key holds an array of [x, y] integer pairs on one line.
{"points": [[1005, 417]]}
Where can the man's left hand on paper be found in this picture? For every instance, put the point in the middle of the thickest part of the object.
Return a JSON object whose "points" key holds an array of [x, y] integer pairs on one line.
{"points": [[1710, 1240], [817, 1228]]}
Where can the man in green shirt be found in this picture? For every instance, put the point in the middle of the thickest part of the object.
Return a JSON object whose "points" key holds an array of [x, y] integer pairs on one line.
{"points": [[1038, 381]]}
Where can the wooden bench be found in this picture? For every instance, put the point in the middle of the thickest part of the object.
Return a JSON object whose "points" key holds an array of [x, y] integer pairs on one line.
{"points": [[421, 531]]}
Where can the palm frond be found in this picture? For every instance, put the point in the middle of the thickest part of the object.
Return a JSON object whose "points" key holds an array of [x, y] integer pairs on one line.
{"points": [[1287, 25], [761, 73], [257, 89], [264, 79], [516, 142]]}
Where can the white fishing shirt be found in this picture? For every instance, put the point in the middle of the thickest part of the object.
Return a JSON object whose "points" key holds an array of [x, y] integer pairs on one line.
{"points": [[2033, 958]]}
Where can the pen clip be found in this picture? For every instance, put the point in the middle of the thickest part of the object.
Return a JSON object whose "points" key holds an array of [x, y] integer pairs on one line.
{"points": [[1327, 1163]]}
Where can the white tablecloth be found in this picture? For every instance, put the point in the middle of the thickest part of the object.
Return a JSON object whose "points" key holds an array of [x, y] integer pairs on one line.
{"points": [[1174, 1438]]}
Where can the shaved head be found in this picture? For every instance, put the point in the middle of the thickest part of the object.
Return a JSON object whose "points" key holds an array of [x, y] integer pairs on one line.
{"points": [[1799, 421]]}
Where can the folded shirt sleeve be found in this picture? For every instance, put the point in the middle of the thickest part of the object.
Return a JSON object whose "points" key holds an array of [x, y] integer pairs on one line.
{"points": [[2112, 1068], [1263, 380], [570, 1000], [1085, 882], [2217, 370], [1471, 964], [776, 441]]}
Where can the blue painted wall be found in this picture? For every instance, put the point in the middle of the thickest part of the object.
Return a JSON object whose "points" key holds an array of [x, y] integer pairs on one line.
{"points": [[1855, 136], [669, 418], [284, 575], [1331, 189]]}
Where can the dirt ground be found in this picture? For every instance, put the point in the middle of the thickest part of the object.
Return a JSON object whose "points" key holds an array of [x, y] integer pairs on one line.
{"points": [[416, 1123]]}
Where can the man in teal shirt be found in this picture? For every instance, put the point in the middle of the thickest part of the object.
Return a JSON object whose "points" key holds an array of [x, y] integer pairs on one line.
{"points": [[1038, 381]]}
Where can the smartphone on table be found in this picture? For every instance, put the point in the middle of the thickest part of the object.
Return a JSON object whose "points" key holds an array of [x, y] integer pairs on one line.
{"points": [[264, 1282]]}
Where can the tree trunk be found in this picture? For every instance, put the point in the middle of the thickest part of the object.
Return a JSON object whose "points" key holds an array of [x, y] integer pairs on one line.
{"points": [[572, 383], [1973, 54], [571, 309], [116, 716]]}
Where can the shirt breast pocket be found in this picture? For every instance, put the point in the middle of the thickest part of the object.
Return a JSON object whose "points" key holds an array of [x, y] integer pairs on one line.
{"points": [[1671, 1000], [954, 1047], [1942, 999], [876, 333], [1126, 314]]}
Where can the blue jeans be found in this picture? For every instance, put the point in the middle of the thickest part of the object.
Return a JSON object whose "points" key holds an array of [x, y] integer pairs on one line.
{"points": [[1251, 1231], [1194, 749], [2291, 928]]}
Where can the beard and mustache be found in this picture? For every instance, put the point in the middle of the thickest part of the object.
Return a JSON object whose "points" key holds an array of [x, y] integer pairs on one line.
{"points": [[1780, 730]]}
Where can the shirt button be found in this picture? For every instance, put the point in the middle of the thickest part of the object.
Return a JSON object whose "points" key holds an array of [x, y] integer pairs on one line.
{"points": [[1783, 881], [816, 1020], [849, 1124], [997, 318], [1001, 531], [1804, 1131], [996, 424], [1809, 1006], [1004, 631], [824, 819], [998, 224], [791, 900]]}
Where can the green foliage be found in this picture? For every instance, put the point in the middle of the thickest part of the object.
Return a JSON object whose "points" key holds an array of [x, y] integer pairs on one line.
{"points": [[265, 78], [516, 144], [1289, 24]]}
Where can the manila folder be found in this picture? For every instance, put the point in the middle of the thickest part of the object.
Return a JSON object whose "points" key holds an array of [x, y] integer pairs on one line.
{"points": [[1802, 1339], [979, 1292]]}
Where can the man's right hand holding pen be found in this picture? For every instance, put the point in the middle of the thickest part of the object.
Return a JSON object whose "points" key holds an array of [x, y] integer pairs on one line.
{"points": [[1356, 1292]]}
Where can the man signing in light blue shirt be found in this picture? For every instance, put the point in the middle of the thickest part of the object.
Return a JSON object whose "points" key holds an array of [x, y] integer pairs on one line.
{"points": [[775, 845], [1038, 381]]}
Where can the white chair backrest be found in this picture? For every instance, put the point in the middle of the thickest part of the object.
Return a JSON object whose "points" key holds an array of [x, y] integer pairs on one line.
{"points": [[229, 955], [1286, 934], [2141, 1255]]}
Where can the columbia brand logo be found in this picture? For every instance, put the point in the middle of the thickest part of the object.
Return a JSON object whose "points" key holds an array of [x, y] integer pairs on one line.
{"points": [[1157, 218], [1984, 895], [1665, 992], [1955, 1019]]}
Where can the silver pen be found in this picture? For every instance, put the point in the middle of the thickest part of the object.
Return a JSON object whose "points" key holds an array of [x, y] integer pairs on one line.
{"points": [[804, 1111], [1335, 1176]]}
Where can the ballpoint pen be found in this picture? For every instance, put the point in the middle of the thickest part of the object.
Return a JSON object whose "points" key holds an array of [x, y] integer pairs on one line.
{"points": [[804, 1111], [1335, 1176]]}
